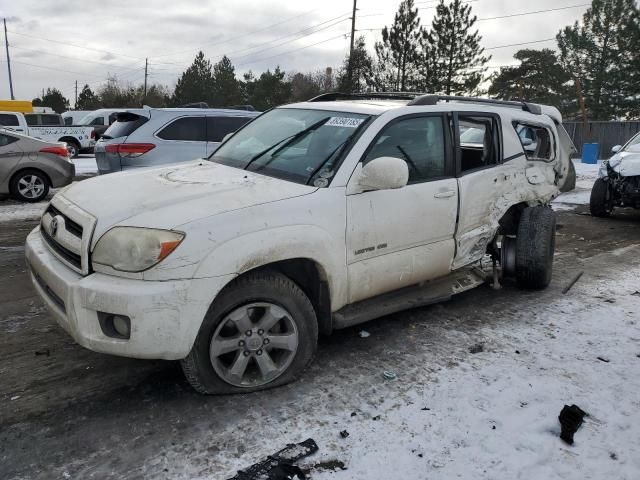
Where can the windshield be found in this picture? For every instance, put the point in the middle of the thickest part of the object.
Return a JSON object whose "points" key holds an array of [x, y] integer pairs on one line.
{"points": [[633, 145], [293, 144]]}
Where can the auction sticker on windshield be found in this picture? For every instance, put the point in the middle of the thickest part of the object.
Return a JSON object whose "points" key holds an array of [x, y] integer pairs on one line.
{"points": [[344, 122]]}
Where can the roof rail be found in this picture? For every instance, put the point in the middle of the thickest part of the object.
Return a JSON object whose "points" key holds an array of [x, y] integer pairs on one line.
{"points": [[432, 99], [337, 96]]}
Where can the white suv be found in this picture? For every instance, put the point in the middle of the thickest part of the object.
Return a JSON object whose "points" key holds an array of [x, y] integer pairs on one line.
{"points": [[313, 217]]}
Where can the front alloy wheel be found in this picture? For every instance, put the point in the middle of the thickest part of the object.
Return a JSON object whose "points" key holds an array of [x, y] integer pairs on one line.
{"points": [[261, 331], [30, 186], [254, 345]]}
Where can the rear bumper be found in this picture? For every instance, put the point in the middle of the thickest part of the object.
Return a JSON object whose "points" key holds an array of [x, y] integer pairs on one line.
{"points": [[165, 316]]}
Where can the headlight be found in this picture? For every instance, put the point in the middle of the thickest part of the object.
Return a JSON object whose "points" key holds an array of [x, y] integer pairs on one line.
{"points": [[134, 249]]}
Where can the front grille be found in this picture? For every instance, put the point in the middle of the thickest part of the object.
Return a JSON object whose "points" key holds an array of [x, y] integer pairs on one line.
{"points": [[66, 230], [71, 257], [72, 227]]}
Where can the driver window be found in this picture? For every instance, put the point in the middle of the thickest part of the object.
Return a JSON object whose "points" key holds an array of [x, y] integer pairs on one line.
{"points": [[419, 141]]}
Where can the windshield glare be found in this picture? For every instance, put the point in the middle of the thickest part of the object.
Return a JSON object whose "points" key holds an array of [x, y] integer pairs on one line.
{"points": [[293, 144]]}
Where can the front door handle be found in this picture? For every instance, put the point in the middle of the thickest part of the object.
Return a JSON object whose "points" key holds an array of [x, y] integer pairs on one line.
{"points": [[447, 194]]}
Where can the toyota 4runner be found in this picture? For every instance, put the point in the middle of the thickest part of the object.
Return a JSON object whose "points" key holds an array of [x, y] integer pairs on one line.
{"points": [[314, 216]]}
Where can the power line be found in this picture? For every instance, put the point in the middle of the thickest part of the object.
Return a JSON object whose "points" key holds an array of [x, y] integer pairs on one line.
{"points": [[238, 36], [74, 45], [344, 35], [51, 68], [519, 44], [77, 59], [533, 13]]}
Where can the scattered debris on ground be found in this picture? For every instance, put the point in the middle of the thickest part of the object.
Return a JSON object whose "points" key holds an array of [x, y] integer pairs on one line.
{"points": [[603, 359], [344, 434], [327, 465], [364, 334], [573, 281], [389, 375], [477, 348], [279, 466], [570, 418]]}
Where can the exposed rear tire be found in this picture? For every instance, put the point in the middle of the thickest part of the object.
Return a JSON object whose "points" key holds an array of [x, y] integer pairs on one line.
{"points": [[535, 246], [29, 185], [600, 200], [73, 147], [272, 354]]}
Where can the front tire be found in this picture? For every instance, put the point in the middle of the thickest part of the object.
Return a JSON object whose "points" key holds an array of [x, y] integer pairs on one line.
{"points": [[29, 186], [600, 200], [535, 246], [260, 332]]}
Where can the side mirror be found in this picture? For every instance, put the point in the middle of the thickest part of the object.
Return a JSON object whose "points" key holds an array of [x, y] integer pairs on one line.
{"points": [[616, 149], [384, 173]]}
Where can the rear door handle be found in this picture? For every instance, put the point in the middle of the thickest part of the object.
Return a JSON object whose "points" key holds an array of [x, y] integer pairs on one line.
{"points": [[447, 194]]}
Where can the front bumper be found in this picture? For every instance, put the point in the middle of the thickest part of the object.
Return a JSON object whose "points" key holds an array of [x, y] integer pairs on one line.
{"points": [[165, 315]]}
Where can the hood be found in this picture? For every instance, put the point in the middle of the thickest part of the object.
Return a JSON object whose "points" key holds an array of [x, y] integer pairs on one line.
{"points": [[626, 164], [171, 196]]}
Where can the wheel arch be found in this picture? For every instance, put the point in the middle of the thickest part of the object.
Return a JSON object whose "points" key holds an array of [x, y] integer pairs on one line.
{"points": [[311, 277], [27, 168]]}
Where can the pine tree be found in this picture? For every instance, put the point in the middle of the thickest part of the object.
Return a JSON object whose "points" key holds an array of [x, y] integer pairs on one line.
{"points": [[602, 52], [195, 84], [267, 91], [54, 99], [398, 51], [225, 87], [539, 78], [457, 58], [361, 66], [87, 100]]}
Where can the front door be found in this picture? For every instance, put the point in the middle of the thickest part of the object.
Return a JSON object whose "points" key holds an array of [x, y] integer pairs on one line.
{"points": [[396, 238]]}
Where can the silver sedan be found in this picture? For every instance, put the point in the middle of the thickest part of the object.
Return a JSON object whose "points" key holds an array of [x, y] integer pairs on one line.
{"points": [[29, 167]]}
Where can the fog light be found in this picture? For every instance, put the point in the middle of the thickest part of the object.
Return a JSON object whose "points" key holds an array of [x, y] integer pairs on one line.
{"points": [[121, 326], [115, 326]]}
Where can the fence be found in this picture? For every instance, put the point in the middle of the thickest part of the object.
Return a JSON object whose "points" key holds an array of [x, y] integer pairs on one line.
{"points": [[607, 134]]}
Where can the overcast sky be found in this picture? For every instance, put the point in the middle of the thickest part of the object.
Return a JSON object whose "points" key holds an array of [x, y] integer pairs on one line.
{"points": [[55, 43]]}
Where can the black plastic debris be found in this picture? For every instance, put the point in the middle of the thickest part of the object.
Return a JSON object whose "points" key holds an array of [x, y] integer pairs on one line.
{"points": [[603, 359], [344, 434], [280, 463], [477, 348], [286, 471], [570, 418]]}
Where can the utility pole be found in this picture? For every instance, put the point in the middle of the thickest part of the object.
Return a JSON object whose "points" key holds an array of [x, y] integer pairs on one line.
{"points": [[583, 110], [6, 46], [146, 74], [75, 107], [353, 34]]}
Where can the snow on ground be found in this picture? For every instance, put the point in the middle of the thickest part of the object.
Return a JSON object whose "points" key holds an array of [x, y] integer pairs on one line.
{"points": [[586, 175], [494, 415], [11, 210]]}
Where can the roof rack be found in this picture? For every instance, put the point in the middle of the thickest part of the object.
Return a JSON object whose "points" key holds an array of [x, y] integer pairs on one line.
{"points": [[431, 99], [337, 96]]}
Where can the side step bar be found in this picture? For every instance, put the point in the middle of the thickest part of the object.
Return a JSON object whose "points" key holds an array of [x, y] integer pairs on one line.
{"points": [[420, 295]]}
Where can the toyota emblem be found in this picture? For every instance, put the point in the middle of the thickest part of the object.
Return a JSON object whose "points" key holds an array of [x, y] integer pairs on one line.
{"points": [[53, 226]]}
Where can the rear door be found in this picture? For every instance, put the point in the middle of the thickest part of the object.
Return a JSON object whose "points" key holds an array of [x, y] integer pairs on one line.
{"points": [[484, 178], [220, 126], [10, 155], [180, 140]]}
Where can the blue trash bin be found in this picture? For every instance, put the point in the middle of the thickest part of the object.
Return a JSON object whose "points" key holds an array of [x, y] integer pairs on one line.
{"points": [[590, 152]]}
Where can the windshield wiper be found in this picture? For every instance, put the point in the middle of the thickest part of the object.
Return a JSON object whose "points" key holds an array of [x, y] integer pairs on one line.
{"points": [[288, 141]]}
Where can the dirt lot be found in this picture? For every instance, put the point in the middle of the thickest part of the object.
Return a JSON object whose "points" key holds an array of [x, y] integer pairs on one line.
{"points": [[66, 412]]}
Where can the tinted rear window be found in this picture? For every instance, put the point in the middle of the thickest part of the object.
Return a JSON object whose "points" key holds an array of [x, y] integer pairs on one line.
{"points": [[218, 127], [125, 125], [68, 120], [9, 120], [50, 120], [31, 119], [190, 129]]}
